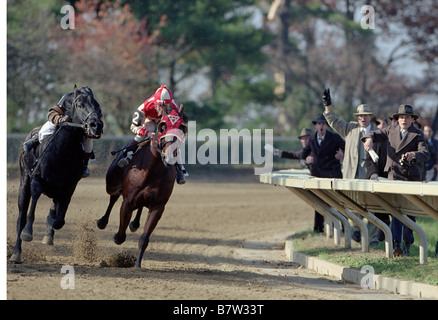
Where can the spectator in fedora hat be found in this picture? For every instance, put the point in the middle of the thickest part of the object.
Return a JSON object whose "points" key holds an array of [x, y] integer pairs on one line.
{"points": [[375, 121], [406, 152], [303, 137], [382, 123], [354, 164], [327, 149]]}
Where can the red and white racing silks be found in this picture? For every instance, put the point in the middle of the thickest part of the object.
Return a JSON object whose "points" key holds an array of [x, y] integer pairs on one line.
{"points": [[161, 97], [151, 111]]}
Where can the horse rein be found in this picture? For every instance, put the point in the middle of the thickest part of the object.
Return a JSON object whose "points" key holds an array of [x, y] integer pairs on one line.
{"points": [[159, 147], [62, 124]]}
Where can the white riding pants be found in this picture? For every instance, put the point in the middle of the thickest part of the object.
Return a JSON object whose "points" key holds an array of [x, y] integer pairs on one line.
{"points": [[49, 128]]}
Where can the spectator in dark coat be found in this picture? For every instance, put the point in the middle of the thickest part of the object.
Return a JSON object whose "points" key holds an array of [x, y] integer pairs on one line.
{"points": [[304, 138], [431, 166], [327, 149], [406, 152]]}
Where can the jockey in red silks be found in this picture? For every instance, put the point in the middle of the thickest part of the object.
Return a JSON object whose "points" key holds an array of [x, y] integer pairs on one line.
{"points": [[144, 123]]}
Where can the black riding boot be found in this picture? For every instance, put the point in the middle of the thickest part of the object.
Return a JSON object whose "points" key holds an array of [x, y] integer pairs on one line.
{"points": [[129, 154], [180, 174], [31, 143]]}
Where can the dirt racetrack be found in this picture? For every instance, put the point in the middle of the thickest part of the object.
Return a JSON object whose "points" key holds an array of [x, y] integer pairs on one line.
{"points": [[216, 240]]}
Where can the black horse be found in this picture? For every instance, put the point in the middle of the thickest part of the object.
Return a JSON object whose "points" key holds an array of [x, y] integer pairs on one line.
{"points": [[55, 166]]}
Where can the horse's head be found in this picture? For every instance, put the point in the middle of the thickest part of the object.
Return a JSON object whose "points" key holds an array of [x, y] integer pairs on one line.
{"points": [[85, 110], [171, 133]]}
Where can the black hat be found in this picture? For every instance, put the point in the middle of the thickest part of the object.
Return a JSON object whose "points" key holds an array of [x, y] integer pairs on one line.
{"points": [[405, 109], [320, 118], [374, 119]]}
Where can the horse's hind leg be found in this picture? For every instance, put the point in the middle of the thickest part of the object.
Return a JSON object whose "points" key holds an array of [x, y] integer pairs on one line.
{"points": [[102, 222], [50, 233], [135, 224], [125, 218], [23, 206], [27, 232], [35, 192], [154, 216]]}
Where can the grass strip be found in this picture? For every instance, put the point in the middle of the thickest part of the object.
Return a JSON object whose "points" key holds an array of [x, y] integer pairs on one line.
{"points": [[404, 268]]}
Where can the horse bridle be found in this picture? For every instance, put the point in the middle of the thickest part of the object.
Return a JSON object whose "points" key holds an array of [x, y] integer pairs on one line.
{"points": [[84, 124], [160, 145]]}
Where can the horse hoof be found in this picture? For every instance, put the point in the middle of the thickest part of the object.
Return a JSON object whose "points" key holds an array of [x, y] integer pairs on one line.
{"points": [[47, 241], [118, 240], [101, 224], [58, 224], [133, 226], [15, 258], [26, 236]]}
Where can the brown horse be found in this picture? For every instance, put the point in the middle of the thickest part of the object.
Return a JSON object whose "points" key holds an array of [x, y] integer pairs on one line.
{"points": [[147, 181]]}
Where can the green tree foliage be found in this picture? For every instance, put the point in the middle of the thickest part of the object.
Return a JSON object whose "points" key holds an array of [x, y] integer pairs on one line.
{"points": [[227, 67], [111, 52], [219, 36], [33, 65], [322, 44]]}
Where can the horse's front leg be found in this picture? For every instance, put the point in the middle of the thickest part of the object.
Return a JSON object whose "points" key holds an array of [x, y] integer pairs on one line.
{"points": [[154, 216], [61, 206], [27, 232]]}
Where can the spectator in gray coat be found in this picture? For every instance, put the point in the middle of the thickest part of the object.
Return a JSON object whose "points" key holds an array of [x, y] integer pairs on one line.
{"points": [[354, 164]]}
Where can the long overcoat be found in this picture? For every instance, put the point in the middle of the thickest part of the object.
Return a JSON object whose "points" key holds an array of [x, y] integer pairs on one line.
{"points": [[354, 156], [413, 141]]}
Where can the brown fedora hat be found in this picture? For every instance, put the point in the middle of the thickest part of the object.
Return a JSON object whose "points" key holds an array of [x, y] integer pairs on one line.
{"points": [[363, 109], [305, 132], [405, 109]]}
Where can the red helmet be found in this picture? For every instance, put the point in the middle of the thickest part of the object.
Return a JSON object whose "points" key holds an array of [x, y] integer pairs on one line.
{"points": [[163, 96]]}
